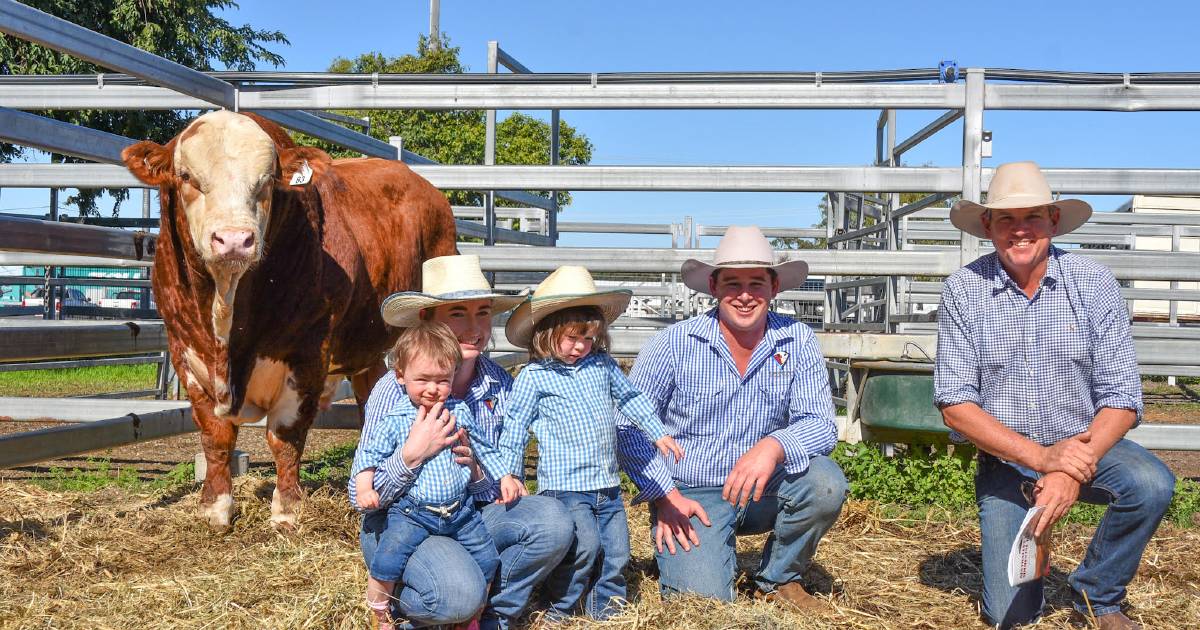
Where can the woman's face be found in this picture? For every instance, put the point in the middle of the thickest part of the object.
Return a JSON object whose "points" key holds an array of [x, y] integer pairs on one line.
{"points": [[471, 322]]}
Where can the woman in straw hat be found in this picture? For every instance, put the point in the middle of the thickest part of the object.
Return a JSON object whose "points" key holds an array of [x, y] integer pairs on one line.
{"points": [[568, 395], [441, 584], [1036, 367]]}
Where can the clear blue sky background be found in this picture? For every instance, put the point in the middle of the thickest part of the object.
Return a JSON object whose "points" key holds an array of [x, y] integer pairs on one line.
{"points": [[698, 35]]}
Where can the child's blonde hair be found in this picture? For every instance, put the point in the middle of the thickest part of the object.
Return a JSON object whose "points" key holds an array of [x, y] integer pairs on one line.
{"points": [[429, 339], [577, 320]]}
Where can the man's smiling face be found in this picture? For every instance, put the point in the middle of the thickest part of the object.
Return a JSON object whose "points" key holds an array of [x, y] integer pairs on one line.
{"points": [[1021, 235]]}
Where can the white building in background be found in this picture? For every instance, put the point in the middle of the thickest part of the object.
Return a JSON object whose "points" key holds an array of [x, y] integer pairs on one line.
{"points": [[1159, 309]]}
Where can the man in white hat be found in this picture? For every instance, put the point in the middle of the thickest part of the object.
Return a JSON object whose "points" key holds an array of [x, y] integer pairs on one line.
{"points": [[745, 392], [1036, 367]]}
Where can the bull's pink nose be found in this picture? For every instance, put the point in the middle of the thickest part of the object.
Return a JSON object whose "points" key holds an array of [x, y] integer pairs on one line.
{"points": [[233, 243]]}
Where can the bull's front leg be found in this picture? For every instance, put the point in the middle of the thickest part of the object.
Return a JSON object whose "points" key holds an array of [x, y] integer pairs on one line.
{"points": [[287, 430], [218, 437]]}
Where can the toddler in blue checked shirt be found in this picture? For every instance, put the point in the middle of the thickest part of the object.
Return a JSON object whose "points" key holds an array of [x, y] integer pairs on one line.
{"points": [[413, 444], [568, 395]]}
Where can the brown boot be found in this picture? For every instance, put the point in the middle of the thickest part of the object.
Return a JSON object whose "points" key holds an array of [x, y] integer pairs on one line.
{"points": [[1111, 621], [793, 597]]}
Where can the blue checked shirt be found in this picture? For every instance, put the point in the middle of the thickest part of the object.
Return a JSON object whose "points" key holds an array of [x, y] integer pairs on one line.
{"points": [[572, 412], [1044, 366], [485, 397], [716, 414], [439, 480]]}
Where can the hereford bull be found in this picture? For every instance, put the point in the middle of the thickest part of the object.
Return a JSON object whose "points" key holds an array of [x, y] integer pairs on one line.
{"points": [[271, 264]]}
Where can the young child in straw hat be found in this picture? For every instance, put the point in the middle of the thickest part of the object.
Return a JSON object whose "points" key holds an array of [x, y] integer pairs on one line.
{"points": [[437, 503], [568, 395]]}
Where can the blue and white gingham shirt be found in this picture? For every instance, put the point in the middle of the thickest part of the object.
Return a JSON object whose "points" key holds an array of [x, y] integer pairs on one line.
{"points": [[485, 397], [440, 479], [1044, 366], [572, 411], [716, 414]]}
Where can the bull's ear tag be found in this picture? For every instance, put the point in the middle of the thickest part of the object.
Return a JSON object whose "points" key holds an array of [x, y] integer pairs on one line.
{"points": [[302, 174]]}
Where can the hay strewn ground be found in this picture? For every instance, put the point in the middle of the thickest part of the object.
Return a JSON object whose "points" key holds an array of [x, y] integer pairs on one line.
{"points": [[112, 559]]}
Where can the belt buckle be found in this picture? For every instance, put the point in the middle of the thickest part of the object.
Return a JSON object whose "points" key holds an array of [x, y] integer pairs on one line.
{"points": [[444, 512]]}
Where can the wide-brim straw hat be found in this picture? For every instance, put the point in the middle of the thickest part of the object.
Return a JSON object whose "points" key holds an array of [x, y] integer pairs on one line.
{"points": [[743, 247], [567, 287], [1019, 185], [445, 280]]}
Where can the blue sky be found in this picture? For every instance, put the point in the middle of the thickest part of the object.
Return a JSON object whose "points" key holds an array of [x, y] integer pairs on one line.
{"points": [[715, 36]]}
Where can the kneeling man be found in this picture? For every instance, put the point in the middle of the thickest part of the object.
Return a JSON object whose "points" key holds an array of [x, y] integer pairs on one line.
{"points": [[745, 392], [1035, 366]]}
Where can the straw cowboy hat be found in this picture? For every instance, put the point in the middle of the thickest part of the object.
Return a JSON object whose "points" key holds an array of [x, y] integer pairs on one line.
{"points": [[568, 286], [445, 280], [1019, 185], [743, 247]]}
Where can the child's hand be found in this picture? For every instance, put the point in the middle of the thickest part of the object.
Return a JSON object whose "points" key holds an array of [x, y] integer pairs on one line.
{"points": [[511, 489], [464, 456], [667, 446], [368, 499]]}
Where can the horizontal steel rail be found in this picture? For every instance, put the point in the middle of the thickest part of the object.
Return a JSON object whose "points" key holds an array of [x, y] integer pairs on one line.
{"points": [[75, 281], [477, 230], [128, 422], [462, 93], [56, 136], [307, 123], [32, 235], [733, 95], [614, 228], [40, 340], [29, 259], [1098, 181], [719, 230]]}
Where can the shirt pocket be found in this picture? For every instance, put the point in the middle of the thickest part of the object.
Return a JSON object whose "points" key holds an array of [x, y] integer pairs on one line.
{"points": [[697, 411], [774, 391]]}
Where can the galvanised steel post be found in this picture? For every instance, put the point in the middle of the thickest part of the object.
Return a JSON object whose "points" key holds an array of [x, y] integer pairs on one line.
{"points": [[972, 166], [489, 149], [552, 212]]}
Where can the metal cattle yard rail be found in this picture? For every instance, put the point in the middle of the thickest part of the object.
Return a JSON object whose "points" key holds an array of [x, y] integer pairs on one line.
{"points": [[880, 259]]}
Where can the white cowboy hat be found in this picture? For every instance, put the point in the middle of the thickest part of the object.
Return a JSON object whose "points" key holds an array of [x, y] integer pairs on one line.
{"points": [[568, 286], [1019, 185], [743, 247], [445, 280]]}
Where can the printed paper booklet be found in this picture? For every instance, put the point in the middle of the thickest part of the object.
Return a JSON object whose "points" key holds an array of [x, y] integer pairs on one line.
{"points": [[1029, 558]]}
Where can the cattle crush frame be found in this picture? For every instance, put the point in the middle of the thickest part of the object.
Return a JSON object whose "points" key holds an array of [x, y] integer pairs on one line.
{"points": [[876, 247]]}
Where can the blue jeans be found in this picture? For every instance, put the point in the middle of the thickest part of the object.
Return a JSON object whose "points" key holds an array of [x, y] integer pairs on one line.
{"points": [[410, 523], [1136, 486], [442, 584], [533, 534], [797, 509], [591, 571]]}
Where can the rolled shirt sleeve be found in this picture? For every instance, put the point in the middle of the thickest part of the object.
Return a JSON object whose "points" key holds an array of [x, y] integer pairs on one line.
{"points": [[1116, 380]]}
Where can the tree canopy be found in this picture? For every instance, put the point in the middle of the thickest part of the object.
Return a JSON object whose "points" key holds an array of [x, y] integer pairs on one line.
{"points": [[456, 136], [185, 31]]}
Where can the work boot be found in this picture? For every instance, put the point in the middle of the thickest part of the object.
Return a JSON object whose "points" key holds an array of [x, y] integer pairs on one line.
{"points": [[793, 597], [1111, 621]]}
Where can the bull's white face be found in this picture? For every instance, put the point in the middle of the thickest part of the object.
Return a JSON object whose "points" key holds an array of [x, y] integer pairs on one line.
{"points": [[225, 164]]}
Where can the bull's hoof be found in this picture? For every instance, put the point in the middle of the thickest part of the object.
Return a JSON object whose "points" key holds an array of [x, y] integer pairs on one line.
{"points": [[285, 513], [219, 513]]}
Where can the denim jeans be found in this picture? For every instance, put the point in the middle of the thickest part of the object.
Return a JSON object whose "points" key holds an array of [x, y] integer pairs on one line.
{"points": [[410, 523], [442, 584], [532, 534], [797, 509], [591, 571], [1136, 486]]}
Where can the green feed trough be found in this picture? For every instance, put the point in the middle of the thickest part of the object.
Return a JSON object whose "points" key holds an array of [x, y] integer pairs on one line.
{"points": [[896, 404]]}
